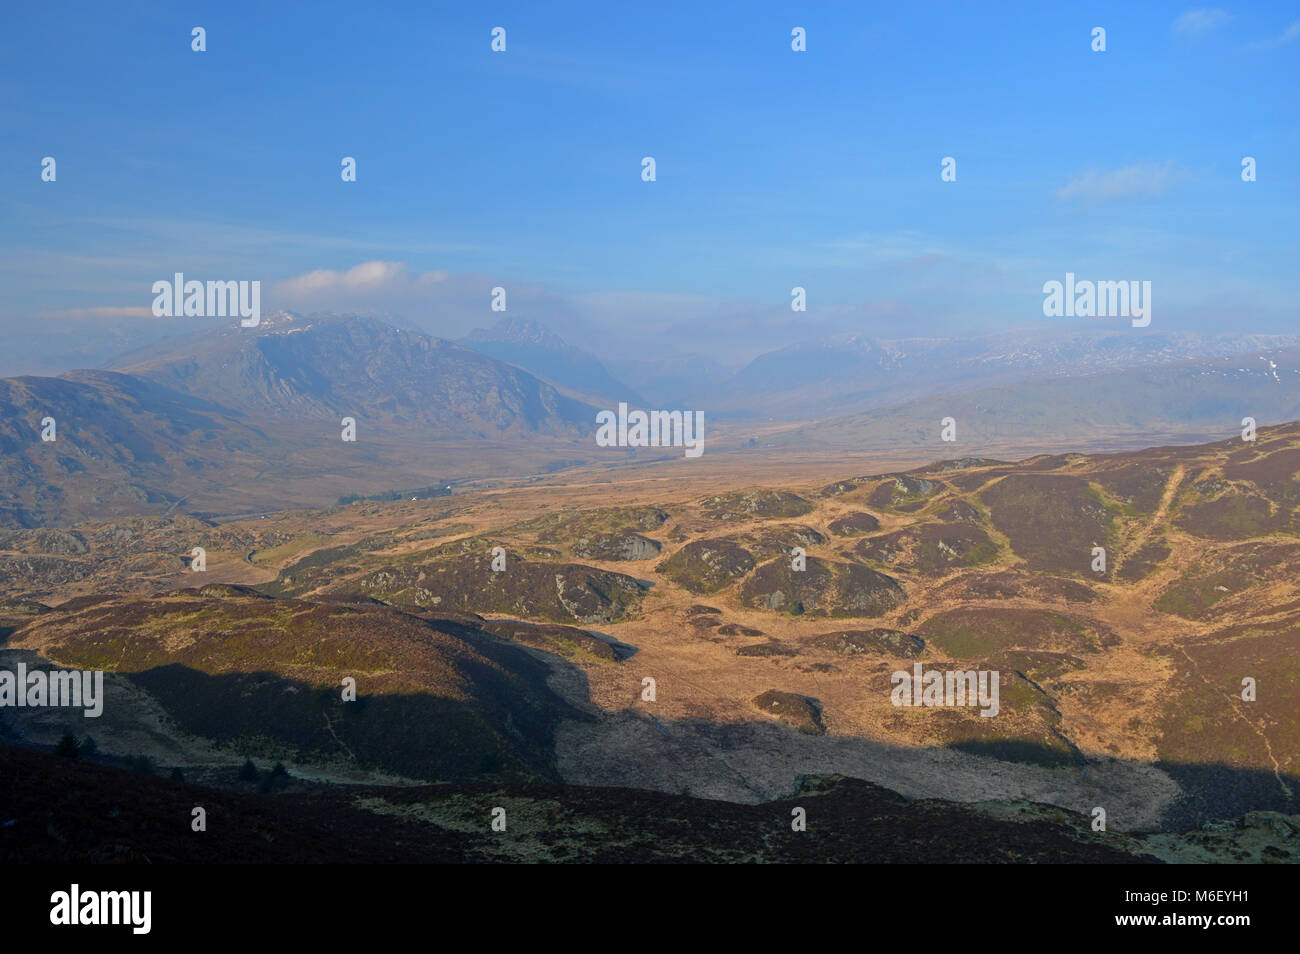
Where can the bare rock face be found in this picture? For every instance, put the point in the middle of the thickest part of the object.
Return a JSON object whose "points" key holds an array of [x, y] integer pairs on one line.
{"points": [[623, 545]]}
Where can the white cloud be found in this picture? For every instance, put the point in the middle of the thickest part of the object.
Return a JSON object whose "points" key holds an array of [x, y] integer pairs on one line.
{"points": [[439, 302], [367, 277], [1136, 181], [1201, 20]]}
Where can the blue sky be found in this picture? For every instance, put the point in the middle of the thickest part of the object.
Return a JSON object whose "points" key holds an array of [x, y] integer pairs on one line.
{"points": [[775, 168]]}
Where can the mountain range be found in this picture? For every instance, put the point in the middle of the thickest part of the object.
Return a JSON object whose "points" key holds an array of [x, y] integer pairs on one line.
{"points": [[229, 420], [851, 374], [232, 420]]}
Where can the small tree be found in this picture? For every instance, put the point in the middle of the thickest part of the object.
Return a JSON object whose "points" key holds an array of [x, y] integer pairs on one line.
{"points": [[277, 778], [177, 775], [67, 746], [140, 763], [248, 771]]}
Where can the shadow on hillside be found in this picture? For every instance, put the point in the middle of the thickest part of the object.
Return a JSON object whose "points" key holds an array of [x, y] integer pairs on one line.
{"points": [[508, 734], [61, 810], [760, 760], [1214, 790], [624, 650], [506, 731]]}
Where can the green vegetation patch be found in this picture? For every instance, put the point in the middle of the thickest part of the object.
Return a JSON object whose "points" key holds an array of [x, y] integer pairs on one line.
{"points": [[1235, 515], [977, 633], [1052, 521], [1194, 597]]}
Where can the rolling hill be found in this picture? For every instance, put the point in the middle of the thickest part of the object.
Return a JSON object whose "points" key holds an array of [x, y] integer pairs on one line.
{"points": [[1121, 682]]}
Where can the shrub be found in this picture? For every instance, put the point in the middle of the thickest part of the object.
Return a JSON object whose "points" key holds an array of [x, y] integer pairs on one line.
{"points": [[67, 746], [140, 763]]}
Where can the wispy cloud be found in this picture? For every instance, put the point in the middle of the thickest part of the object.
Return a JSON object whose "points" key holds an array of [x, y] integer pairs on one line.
{"points": [[100, 311], [881, 250], [1139, 180], [1291, 33], [1201, 20]]}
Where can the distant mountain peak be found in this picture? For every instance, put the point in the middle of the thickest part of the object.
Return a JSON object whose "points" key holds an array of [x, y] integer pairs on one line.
{"points": [[282, 318], [520, 331], [529, 345]]}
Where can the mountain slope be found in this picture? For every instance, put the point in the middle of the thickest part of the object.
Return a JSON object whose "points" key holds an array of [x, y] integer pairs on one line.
{"points": [[235, 420], [854, 373], [122, 445], [530, 346], [324, 368], [1191, 400]]}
